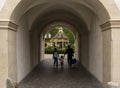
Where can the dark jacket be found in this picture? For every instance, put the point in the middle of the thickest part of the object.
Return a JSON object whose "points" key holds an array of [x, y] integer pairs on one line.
{"points": [[69, 52]]}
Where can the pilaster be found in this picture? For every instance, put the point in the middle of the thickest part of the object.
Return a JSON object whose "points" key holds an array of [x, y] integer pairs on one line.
{"points": [[8, 60], [111, 51]]}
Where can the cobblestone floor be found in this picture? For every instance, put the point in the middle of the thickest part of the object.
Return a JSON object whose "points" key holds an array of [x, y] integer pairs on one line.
{"points": [[45, 75]]}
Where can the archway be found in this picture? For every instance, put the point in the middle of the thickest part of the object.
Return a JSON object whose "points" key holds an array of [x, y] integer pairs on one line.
{"points": [[81, 29], [85, 19], [71, 29], [68, 17], [63, 21]]}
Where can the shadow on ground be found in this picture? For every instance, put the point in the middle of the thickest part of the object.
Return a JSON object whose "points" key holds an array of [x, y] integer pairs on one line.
{"points": [[45, 75]]}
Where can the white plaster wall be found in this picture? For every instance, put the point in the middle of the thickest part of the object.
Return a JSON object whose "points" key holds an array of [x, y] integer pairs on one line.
{"points": [[115, 57], [23, 51], [84, 51], [106, 56], [2, 2], [118, 3], [7, 7], [35, 49], [12, 61], [95, 50], [3, 57]]}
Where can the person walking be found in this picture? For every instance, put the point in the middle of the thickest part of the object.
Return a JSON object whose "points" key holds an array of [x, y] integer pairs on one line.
{"points": [[55, 57], [69, 53], [61, 61]]}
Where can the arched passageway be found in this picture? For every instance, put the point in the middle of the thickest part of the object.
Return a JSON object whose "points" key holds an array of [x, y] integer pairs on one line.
{"points": [[85, 22], [33, 18], [68, 36]]}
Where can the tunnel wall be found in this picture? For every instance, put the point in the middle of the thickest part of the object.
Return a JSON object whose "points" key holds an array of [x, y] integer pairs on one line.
{"points": [[23, 51], [91, 50], [35, 48], [84, 51], [95, 50]]}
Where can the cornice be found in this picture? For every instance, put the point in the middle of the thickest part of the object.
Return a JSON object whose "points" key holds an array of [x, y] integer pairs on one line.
{"points": [[6, 24], [111, 24]]}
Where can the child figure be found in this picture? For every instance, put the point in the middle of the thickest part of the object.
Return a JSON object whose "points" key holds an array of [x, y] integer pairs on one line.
{"points": [[61, 61]]}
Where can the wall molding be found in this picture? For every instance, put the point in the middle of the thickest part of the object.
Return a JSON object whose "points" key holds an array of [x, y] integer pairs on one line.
{"points": [[111, 24], [6, 24]]}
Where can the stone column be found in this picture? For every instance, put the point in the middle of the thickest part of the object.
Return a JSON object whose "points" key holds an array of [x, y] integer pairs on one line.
{"points": [[8, 60], [111, 51], [77, 47]]}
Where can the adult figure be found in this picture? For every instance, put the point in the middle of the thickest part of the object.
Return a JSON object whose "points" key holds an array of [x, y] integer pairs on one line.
{"points": [[55, 57], [69, 53]]}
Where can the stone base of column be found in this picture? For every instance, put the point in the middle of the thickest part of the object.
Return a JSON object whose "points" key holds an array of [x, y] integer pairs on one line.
{"points": [[11, 84]]}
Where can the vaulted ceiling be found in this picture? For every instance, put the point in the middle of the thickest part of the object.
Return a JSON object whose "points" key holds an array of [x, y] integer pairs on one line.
{"points": [[74, 12]]}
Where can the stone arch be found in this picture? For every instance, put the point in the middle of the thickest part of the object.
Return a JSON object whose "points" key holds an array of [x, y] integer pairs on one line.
{"points": [[56, 21], [2, 2], [60, 24], [76, 20], [58, 18], [64, 24], [117, 3], [90, 5]]}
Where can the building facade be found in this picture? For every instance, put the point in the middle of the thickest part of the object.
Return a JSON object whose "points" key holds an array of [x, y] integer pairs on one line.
{"points": [[60, 40]]}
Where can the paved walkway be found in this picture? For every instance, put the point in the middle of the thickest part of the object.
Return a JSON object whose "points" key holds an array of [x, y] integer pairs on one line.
{"points": [[47, 76]]}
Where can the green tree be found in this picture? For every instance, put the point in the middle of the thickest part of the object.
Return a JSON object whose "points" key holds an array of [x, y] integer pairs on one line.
{"points": [[69, 34], [53, 31]]}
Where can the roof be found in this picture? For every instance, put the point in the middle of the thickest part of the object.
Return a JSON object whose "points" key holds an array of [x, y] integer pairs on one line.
{"points": [[60, 34]]}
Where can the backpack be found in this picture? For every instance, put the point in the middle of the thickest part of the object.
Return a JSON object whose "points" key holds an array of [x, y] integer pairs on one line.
{"points": [[56, 54]]}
